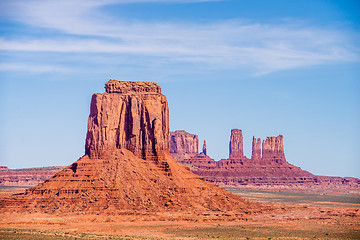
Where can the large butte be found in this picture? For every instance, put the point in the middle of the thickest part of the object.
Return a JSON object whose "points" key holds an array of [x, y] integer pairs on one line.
{"points": [[127, 165]]}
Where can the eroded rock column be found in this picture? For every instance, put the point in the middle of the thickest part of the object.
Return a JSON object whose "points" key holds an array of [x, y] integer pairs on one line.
{"points": [[236, 144], [256, 149]]}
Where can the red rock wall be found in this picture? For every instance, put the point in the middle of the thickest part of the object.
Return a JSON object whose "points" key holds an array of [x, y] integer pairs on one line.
{"points": [[183, 142], [131, 115], [273, 150]]}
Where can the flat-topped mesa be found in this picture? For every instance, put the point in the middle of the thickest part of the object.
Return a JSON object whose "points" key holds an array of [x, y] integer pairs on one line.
{"points": [[184, 142], [236, 144], [273, 150], [124, 87], [256, 149], [130, 115]]}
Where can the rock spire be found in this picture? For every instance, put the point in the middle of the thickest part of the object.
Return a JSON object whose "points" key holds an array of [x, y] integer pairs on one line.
{"points": [[256, 149], [269, 170], [236, 144], [204, 147]]}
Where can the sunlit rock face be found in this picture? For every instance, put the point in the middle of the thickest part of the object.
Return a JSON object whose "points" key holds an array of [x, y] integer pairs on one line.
{"points": [[127, 167], [236, 144], [267, 166], [130, 115]]}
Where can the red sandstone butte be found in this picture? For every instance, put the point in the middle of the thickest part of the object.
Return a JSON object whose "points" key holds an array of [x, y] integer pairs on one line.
{"points": [[267, 167], [127, 164], [183, 145]]}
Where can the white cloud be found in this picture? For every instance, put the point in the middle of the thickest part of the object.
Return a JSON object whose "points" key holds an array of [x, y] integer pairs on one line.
{"points": [[265, 48], [15, 67]]}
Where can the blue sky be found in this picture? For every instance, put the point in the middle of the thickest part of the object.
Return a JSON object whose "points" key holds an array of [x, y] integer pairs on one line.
{"points": [[266, 67]]}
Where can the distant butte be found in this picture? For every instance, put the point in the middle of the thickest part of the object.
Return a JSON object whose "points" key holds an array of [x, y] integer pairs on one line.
{"points": [[127, 166], [267, 168]]}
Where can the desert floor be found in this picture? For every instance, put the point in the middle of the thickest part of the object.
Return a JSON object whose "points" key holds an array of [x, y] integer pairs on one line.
{"points": [[308, 215]]}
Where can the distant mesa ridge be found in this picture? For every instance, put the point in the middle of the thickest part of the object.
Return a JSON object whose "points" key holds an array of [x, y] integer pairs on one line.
{"points": [[267, 166]]}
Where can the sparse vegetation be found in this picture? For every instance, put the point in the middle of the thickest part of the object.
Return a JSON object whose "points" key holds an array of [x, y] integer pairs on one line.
{"points": [[32, 234], [309, 216], [197, 232], [258, 232], [351, 200]]}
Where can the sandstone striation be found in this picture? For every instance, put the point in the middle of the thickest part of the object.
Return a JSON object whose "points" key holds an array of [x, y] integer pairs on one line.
{"points": [[127, 167], [128, 115], [266, 168]]}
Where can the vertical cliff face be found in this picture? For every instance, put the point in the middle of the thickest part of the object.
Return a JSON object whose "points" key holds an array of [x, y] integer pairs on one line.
{"points": [[236, 144], [183, 142], [130, 115], [273, 149], [256, 149]]}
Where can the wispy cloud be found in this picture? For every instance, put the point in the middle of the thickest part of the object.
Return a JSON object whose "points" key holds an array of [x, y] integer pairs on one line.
{"points": [[262, 47], [32, 68]]}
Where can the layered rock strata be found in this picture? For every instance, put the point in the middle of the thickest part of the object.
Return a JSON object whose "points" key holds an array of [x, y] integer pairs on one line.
{"points": [[27, 177], [127, 167], [267, 167]]}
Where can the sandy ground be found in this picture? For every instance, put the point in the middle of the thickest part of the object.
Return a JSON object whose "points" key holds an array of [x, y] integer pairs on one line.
{"points": [[304, 216]]}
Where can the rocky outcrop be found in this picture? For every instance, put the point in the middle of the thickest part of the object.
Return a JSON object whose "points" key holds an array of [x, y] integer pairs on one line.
{"points": [[130, 115], [236, 144], [127, 168], [183, 145], [256, 149], [183, 142], [273, 150], [266, 168]]}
